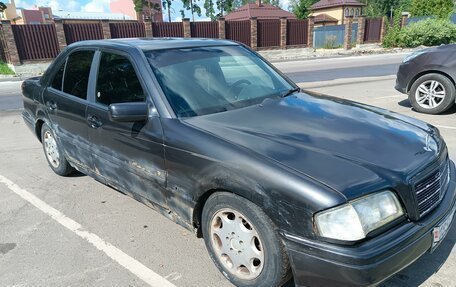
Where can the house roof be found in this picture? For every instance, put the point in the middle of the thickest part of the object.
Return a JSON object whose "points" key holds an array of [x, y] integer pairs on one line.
{"points": [[263, 11], [321, 18], [335, 3]]}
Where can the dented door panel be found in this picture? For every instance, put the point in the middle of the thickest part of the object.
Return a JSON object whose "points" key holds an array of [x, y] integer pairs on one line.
{"points": [[129, 155], [67, 118]]}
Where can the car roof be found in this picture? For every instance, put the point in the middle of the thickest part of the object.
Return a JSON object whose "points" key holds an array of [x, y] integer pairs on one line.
{"points": [[147, 44]]}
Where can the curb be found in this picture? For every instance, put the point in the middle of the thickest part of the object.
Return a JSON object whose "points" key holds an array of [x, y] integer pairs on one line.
{"points": [[344, 81], [353, 53], [16, 78]]}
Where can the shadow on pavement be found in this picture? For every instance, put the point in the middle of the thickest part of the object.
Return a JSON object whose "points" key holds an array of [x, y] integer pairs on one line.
{"points": [[406, 103], [76, 174]]}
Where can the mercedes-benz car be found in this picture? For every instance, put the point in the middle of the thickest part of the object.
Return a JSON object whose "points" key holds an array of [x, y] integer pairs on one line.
{"points": [[281, 183], [428, 76]]}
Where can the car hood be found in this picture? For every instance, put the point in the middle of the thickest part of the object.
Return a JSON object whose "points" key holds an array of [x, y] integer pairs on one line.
{"points": [[347, 146]]}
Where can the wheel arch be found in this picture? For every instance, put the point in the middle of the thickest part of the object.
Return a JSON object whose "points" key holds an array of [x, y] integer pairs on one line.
{"points": [[40, 120], [427, 72], [202, 199]]}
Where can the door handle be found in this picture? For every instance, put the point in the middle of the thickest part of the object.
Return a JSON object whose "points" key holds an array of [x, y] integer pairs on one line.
{"points": [[94, 122], [51, 105]]}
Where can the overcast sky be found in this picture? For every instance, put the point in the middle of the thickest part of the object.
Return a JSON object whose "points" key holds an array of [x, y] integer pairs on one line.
{"points": [[103, 6]]}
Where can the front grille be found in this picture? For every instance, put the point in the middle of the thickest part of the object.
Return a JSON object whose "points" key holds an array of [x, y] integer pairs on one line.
{"points": [[430, 191]]}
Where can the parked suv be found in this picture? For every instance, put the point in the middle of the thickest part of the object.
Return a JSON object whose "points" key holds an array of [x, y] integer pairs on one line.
{"points": [[428, 77], [280, 183]]}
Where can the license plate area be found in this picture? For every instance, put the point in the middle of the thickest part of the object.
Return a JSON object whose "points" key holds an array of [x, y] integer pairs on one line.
{"points": [[440, 231]]}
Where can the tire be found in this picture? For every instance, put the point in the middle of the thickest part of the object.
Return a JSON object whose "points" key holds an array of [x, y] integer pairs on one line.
{"points": [[54, 153], [426, 99], [262, 251]]}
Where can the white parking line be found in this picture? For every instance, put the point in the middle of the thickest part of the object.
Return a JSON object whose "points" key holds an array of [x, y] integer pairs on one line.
{"points": [[129, 263], [446, 127]]}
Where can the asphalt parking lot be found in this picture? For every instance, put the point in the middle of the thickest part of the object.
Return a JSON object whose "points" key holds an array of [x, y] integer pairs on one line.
{"points": [[74, 231]]}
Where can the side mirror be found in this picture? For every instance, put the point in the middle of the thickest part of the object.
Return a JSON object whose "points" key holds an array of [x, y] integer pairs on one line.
{"points": [[129, 112]]}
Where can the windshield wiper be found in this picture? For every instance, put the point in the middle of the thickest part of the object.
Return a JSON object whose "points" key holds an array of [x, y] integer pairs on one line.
{"points": [[290, 92]]}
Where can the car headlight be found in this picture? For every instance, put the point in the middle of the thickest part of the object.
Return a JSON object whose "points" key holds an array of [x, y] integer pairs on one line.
{"points": [[354, 220], [414, 55]]}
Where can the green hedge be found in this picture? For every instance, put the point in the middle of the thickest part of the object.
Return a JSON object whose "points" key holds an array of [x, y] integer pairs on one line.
{"points": [[5, 70], [429, 32]]}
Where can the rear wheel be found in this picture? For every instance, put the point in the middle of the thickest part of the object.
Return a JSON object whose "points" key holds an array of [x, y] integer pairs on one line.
{"points": [[243, 242], [54, 152], [432, 94]]}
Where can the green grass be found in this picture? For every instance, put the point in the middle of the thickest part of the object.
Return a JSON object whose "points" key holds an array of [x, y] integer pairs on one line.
{"points": [[5, 70]]}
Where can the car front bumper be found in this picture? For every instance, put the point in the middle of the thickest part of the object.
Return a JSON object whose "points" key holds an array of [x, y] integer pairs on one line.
{"points": [[405, 75], [373, 261]]}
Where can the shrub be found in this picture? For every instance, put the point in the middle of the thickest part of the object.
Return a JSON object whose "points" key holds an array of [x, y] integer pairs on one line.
{"points": [[429, 32], [330, 42], [5, 70]]}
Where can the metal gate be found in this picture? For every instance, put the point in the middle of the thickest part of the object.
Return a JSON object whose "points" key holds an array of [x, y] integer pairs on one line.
{"points": [[238, 31], [82, 31], [373, 30], [36, 42]]}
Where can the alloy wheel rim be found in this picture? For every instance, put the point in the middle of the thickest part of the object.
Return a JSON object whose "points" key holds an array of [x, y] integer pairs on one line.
{"points": [[52, 152], [430, 94], [237, 244]]}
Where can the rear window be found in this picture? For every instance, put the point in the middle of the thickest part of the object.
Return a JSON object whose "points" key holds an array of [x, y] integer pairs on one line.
{"points": [[58, 78], [76, 79]]}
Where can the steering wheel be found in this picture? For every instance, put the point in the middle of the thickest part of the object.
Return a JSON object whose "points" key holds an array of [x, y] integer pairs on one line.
{"points": [[236, 85]]}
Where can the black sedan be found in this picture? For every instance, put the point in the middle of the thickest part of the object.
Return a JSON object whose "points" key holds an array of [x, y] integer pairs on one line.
{"points": [[280, 183], [428, 76]]}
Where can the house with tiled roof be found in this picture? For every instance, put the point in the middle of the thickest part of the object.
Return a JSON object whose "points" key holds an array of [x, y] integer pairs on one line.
{"points": [[327, 11], [260, 11], [325, 20]]}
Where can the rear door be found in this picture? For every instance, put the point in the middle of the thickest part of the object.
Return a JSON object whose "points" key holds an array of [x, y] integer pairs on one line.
{"points": [[66, 104], [129, 155]]}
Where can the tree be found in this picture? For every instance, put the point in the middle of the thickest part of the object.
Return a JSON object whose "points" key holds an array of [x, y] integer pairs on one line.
{"points": [[210, 11], [380, 8], [239, 3], [2, 7], [192, 6], [271, 2], [439, 8], [301, 8], [167, 6], [153, 8], [224, 7], [139, 8]]}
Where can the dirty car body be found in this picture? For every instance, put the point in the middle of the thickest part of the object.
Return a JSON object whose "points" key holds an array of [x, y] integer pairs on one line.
{"points": [[294, 154]]}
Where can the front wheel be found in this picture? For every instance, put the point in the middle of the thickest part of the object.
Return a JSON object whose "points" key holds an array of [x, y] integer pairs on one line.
{"points": [[243, 243], [432, 94], [54, 152]]}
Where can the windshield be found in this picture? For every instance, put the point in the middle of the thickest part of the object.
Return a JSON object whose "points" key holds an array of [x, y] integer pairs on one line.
{"points": [[206, 80]]}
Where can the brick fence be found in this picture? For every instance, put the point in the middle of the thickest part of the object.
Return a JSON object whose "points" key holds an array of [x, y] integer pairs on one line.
{"points": [[24, 43]]}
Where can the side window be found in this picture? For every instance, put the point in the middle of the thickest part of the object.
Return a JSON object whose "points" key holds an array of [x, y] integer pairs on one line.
{"points": [[117, 81], [77, 73], [58, 78]]}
